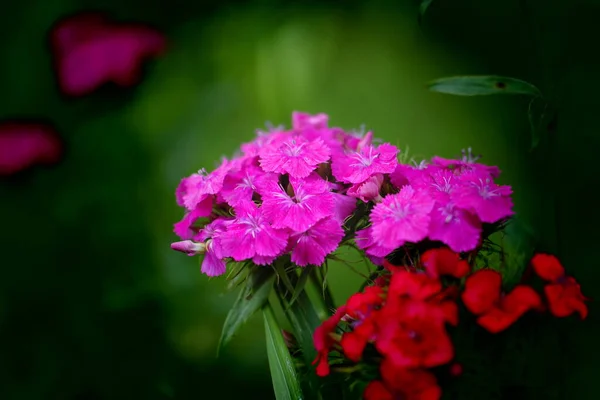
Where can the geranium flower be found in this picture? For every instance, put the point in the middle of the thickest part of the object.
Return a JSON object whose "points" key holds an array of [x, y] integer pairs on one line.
{"points": [[24, 144], [90, 50]]}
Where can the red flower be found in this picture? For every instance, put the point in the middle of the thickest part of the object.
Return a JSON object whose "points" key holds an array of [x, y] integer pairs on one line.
{"points": [[412, 334], [376, 390], [90, 50], [563, 293], [323, 340], [482, 291], [482, 296], [409, 384], [414, 285], [23, 144], [353, 343], [444, 261]]}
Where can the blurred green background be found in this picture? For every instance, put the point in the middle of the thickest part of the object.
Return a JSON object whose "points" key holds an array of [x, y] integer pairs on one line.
{"points": [[95, 305]]}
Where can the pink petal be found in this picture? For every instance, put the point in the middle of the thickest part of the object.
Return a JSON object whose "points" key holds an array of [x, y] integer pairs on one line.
{"points": [[458, 228], [23, 144]]}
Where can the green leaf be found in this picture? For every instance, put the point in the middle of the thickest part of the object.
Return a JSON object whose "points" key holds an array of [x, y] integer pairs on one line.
{"points": [[306, 271], [251, 298], [518, 246], [423, 7], [280, 269], [481, 85], [283, 372]]}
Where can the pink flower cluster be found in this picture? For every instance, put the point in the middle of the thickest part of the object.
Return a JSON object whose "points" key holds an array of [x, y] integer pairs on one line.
{"points": [[293, 191]]}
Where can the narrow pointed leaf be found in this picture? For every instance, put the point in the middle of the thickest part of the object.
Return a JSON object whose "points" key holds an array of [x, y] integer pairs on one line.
{"points": [[301, 282], [481, 85], [280, 269], [283, 372], [251, 298]]}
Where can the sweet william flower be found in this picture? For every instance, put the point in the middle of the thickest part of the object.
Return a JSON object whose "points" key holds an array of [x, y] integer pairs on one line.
{"points": [[189, 247], [358, 166], [478, 192], [402, 217], [323, 341], [298, 206], [302, 121], [250, 235], [563, 293], [295, 156], [458, 228], [367, 190], [413, 384], [313, 245], [443, 261]]}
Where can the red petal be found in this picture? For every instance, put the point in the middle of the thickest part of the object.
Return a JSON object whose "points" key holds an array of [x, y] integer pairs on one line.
{"points": [[565, 299], [522, 299], [496, 320], [547, 267], [482, 291], [444, 261], [353, 345], [376, 390], [417, 286]]}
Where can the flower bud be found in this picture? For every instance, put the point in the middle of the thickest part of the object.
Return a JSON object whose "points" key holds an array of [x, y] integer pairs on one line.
{"points": [[189, 247]]}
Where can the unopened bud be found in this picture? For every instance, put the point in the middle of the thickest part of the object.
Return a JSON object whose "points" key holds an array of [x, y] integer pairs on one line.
{"points": [[189, 247]]}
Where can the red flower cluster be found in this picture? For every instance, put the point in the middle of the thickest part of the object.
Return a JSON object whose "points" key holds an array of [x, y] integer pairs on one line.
{"points": [[404, 317]]}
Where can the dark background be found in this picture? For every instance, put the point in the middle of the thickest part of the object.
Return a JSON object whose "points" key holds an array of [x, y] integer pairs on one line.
{"points": [[94, 304]]}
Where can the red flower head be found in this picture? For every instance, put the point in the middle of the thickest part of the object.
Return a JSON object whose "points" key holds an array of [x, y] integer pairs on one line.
{"points": [[23, 144], [482, 296], [563, 293], [323, 341], [90, 50], [444, 261]]}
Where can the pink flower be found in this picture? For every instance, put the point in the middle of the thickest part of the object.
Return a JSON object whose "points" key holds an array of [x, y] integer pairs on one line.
{"points": [[184, 228], [188, 247], [358, 166], [302, 121], [313, 245], [402, 217], [367, 190], [23, 144], [194, 189], [295, 156], [300, 205], [250, 234], [405, 174], [488, 200], [90, 50], [241, 185], [213, 264], [458, 228], [466, 163], [374, 250], [344, 206]]}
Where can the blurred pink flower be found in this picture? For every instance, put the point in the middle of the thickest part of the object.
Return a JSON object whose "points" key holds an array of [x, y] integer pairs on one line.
{"points": [[90, 50], [24, 144]]}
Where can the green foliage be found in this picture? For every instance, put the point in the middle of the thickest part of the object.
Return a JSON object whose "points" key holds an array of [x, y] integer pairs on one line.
{"points": [[281, 364], [251, 299], [483, 85]]}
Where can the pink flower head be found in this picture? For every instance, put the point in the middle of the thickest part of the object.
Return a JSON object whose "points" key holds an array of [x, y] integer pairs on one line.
{"points": [[480, 194], [241, 185], [196, 188], [468, 162], [313, 245], [23, 144], [374, 250], [250, 234], [302, 121], [440, 183], [298, 206], [213, 264], [184, 228], [458, 228], [367, 190], [358, 166], [402, 217], [90, 50], [295, 156], [344, 206]]}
